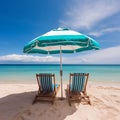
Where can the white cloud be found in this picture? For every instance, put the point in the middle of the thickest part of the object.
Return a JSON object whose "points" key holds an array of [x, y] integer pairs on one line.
{"points": [[85, 14], [104, 31], [28, 58], [104, 56]]}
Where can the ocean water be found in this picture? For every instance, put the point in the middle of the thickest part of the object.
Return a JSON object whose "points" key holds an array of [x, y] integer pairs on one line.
{"points": [[26, 73]]}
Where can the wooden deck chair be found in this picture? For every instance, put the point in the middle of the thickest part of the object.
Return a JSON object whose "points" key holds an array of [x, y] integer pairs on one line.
{"points": [[47, 87], [77, 88]]}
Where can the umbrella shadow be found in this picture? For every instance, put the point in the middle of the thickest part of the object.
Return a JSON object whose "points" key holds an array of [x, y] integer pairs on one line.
{"points": [[19, 107]]}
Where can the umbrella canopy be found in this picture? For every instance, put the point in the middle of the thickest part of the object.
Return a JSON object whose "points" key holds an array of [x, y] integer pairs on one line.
{"points": [[61, 41], [69, 40]]}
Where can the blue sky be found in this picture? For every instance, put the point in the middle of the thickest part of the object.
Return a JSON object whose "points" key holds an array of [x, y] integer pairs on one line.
{"points": [[24, 20]]}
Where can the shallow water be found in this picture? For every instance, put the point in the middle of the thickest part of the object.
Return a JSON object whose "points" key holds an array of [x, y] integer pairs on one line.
{"points": [[26, 73]]}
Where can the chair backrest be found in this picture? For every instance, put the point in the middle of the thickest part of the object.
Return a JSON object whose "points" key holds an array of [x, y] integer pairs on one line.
{"points": [[78, 81], [45, 81]]}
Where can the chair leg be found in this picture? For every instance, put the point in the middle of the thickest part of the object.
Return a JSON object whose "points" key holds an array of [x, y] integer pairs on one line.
{"points": [[53, 102], [57, 89], [53, 99], [86, 98], [68, 95], [69, 102], [34, 101]]}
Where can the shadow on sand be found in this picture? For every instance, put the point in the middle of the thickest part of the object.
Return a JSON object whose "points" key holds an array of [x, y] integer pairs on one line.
{"points": [[19, 107]]}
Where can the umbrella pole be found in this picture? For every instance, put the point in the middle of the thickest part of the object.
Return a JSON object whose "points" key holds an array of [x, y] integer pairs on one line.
{"points": [[61, 72]]}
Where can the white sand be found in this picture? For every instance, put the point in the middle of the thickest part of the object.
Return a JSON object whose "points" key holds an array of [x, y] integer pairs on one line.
{"points": [[16, 104]]}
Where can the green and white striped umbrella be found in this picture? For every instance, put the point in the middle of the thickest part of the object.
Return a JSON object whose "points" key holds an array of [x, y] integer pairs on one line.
{"points": [[69, 40], [61, 41]]}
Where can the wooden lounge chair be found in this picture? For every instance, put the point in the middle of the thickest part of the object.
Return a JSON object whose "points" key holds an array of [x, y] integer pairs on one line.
{"points": [[76, 88], [47, 88]]}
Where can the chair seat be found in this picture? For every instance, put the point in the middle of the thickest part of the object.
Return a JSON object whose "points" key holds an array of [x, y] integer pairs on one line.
{"points": [[56, 85]]}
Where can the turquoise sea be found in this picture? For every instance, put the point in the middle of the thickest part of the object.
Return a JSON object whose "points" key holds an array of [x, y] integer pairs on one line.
{"points": [[20, 73]]}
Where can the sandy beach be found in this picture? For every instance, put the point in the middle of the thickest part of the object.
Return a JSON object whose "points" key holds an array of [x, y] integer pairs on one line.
{"points": [[16, 104]]}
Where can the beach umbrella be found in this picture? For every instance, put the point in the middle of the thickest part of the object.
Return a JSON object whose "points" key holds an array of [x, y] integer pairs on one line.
{"points": [[58, 41]]}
